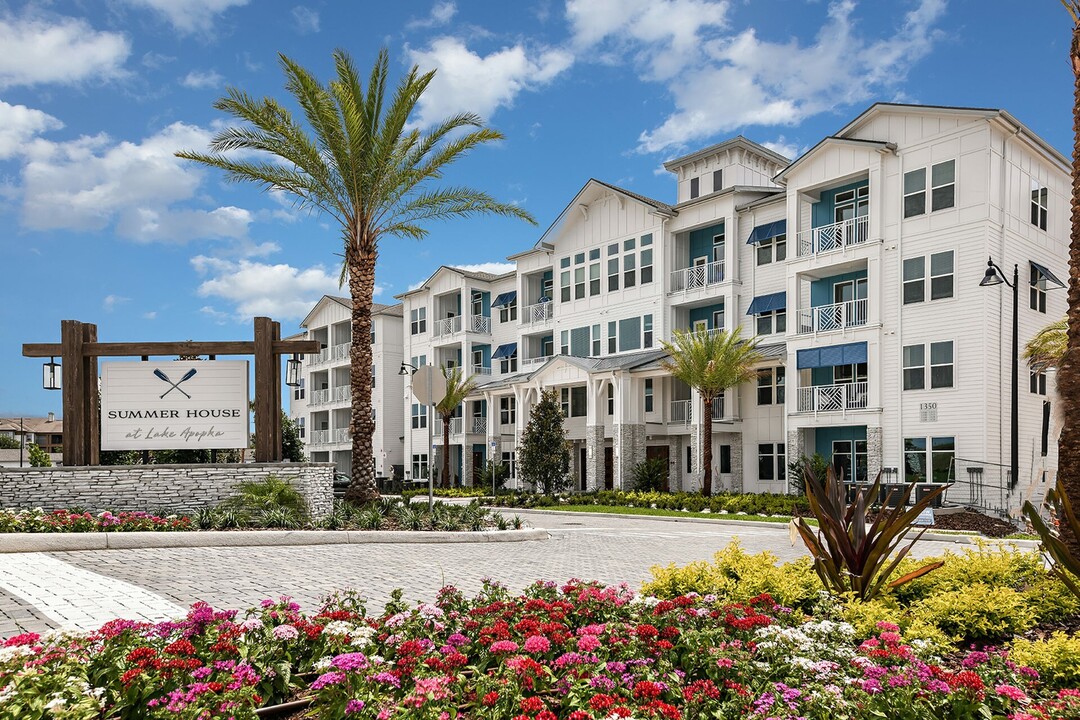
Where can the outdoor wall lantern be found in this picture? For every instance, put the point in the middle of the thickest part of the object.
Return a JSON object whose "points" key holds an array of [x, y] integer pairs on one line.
{"points": [[50, 375], [292, 371]]}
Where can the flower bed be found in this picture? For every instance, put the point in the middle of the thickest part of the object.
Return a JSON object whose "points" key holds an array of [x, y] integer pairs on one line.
{"points": [[579, 651], [68, 521], [748, 503]]}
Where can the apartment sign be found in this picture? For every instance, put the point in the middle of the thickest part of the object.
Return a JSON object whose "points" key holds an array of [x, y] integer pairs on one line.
{"points": [[170, 405]]}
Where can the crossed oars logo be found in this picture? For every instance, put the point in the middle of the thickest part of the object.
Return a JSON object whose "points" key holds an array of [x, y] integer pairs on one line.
{"points": [[176, 385]]}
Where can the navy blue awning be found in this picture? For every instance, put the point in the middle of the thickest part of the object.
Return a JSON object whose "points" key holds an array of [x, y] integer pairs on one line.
{"points": [[767, 303], [507, 350], [505, 299], [849, 354], [767, 232], [1047, 275]]}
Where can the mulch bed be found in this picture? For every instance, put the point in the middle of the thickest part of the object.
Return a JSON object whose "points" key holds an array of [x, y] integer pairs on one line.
{"points": [[973, 521]]}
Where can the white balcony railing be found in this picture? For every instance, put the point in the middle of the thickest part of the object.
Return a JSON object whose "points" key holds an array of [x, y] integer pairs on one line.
{"points": [[481, 370], [449, 326], [833, 398], [529, 362], [837, 316], [340, 352], [319, 397], [320, 437], [479, 426], [681, 412], [836, 236], [538, 313], [456, 424], [718, 408], [323, 356], [446, 326], [342, 435], [709, 331], [696, 277], [480, 324], [342, 393]]}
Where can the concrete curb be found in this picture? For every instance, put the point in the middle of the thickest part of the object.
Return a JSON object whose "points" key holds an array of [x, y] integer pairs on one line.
{"points": [[937, 537], [67, 542]]}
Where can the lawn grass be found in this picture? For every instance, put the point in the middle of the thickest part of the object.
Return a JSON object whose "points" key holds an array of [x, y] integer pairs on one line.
{"points": [[658, 512]]}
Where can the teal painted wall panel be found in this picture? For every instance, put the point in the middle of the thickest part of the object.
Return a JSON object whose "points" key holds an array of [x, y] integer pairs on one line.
{"points": [[704, 313], [701, 241], [821, 291], [822, 212], [824, 437]]}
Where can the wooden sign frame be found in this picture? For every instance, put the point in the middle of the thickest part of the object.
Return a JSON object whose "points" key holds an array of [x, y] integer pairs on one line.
{"points": [[79, 351]]}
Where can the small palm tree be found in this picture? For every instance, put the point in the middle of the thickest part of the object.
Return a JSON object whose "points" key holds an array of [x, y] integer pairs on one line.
{"points": [[357, 159], [458, 387], [1046, 349], [711, 363]]}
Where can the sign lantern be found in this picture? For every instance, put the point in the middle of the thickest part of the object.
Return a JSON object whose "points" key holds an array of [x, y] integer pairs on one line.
{"points": [[50, 375]]}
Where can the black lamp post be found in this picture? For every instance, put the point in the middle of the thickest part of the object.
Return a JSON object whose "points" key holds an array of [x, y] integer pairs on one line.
{"points": [[995, 276]]}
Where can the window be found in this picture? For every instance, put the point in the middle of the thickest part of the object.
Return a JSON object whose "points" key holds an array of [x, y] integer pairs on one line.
{"points": [[1039, 205], [770, 386], [594, 279], [772, 321], [941, 364], [629, 274], [648, 395], [1037, 292], [300, 423], [612, 337], [914, 367], [477, 303], [573, 401], [717, 180], [594, 254], [694, 187], [849, 373], [372, 333], [507, 411], [929, 459], [510, 460], [613, 274], [418, 320], [771, 461], [689, 459], [610, 399], [579, 283], [647, 336], [564, 342], [300, 391], [646, 265], [718, 319], [613, 249], [941, 275], [718, 247], [914, 280], [595, 340], [725, 459], [508, 312], [772, 250], [419, 416], [419, 466], [564, 402], [579, 259], [564, 281], [508, 364], [942, 189], [628, 245], [1038, 382]]}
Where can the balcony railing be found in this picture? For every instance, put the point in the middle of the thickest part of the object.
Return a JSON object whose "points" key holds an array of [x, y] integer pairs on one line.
{"points": [[836, 236], [456, 425], [481, 370], [696, 277], [538, 313], [320, 437], [528, 362], [319, 397], [323, 356], [342, 393], [838, 316], [718, 408], [709, 332], [479, 425], [681, 412], [340, 352], [473, 324], [833, 398], [342, 435]]}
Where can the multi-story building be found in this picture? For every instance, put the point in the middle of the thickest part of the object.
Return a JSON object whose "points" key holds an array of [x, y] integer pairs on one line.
{"points": [[858, 269], [321, 405], [45, 432]]}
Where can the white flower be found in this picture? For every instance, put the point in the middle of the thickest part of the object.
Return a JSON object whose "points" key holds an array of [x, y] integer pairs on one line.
{"points": [[56, 702], [338, 628], [323, 663]]}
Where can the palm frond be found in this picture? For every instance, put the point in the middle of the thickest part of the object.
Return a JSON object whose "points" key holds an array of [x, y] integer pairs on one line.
{"points": [[1047, 348], [711, 362]]}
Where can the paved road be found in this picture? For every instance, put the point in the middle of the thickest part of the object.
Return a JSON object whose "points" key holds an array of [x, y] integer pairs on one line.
{"points": [[80, 590]]}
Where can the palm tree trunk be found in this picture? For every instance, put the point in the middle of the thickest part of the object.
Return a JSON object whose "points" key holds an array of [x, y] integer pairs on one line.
{"points": [[706, 450], [361, 266], [1068, 375], [445, 471]]}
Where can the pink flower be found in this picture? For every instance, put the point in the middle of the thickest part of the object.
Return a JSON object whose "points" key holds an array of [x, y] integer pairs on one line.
{"points": [[503, 646], [588, 643], [1012, 692], [286, 632], [330, 678], [537, 644], [354, 706]]}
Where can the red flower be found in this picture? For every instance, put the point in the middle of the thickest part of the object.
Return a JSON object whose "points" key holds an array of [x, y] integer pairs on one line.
{"points": [[646, 632], [532, 704], [580, 715], [601, 702], [182, 646], [130, 675], [646, 690], [491, 698], [546, 715]]}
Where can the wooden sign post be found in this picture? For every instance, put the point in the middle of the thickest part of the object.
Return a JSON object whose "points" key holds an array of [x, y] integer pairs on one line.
{"points": [[79, 351]]}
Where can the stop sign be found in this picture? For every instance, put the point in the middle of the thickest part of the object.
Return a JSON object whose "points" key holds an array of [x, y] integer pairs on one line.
{"points": [[429, 385]]}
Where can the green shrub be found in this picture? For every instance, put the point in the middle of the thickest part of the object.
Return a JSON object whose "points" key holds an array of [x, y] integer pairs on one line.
{"points": [[651, 474], [988, 564], [978, 612], [1057, 658], [272, 500], [736, 576], [38, 457]]}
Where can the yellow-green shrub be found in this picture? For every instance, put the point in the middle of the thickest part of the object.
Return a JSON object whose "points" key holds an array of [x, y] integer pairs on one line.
{"points": [[1057, 658], [735, 576], [865, 616], [978, 611], [1051, 599], [992, 565]]}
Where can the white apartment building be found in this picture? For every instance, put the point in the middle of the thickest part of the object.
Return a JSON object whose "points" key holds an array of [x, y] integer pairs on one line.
{"points": [[321, 405], [858, 267]]}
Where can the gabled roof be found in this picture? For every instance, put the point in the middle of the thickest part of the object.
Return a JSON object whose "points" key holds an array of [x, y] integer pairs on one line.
{"points": [[32, 425], [737, 141], [376, 308], [834, 140], [469, 274]]}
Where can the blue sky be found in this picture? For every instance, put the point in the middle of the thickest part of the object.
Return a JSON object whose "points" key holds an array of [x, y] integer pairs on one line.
{"points": [[100, 223]]}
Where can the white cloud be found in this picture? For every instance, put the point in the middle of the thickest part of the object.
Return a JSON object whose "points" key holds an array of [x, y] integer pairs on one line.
{"points": [[416, 285], [441, 13], [20, 124], [150, 315], [155, 60], [189, 16], [111, 301], [744, 80], [306, 19], [465, 81], [198, 80], [378, 291], [252, 288], [790, 150], [59, 50], [91, 182], [495, 268]]}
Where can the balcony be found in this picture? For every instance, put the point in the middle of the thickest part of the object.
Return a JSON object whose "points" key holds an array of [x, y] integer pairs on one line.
{"points": [[681, 412], [838, 316], [834, 398], [696, 277], [342, 435], [538, 313], [342, 393], [481, 370], [837, 236], [340, 352], [473, 425], [319, 358], [319, 397], [452, 325], [320, 437], [536, 361]]}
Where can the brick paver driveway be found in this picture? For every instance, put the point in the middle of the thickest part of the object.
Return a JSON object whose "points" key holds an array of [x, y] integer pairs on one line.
{"points": [[83, 589]]}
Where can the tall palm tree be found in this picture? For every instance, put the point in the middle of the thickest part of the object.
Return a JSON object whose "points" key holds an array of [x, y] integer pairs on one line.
{"points": [[355, 158], [711, 363], [1046, 349], [458, 387]]}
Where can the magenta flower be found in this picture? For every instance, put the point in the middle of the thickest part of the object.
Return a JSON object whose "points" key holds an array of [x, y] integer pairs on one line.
{"points": [[588, 643], [350, 661], [354, 706], [330, 678], [503, 646], [537, 644], [1012, 692]]}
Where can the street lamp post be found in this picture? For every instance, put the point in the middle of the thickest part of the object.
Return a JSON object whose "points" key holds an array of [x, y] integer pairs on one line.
{"points": [[410, 369], [995, 276]]}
